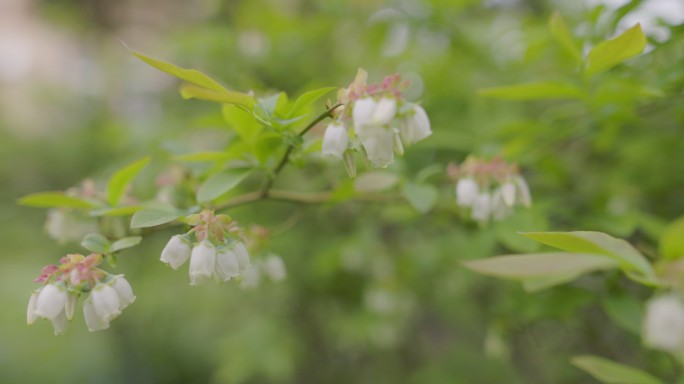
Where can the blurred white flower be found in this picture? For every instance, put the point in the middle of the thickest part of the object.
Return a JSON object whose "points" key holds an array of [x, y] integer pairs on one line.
{"points": [[466, 191], [227, 266], [379, 145], [664, 324], [482, 207], [176, 252], [416, 126], [274, 267]]}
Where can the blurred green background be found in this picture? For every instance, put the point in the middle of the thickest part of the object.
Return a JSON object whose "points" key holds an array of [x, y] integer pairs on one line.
{"points": [[374, 293]]}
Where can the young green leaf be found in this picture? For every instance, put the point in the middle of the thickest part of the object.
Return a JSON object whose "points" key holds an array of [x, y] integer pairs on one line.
{"points": [[540, 265], [55, 199], [126, 242], [118, 211], [97, 243], [306, 99], [116, 187], [421, 196], [191, 91], [221, 183], [534, 91], [598, 243], [152, 217], [612, 52], [672, 240], [610, 372], [564, 37], [243, 122]]}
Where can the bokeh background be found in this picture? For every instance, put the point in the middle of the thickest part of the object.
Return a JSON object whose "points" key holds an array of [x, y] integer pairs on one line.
{"points": [[375, 293]]}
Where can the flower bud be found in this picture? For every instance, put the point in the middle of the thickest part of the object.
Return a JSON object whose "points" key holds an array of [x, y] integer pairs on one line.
{"points": [[664, 324], [176, 252], [335, 140], [227, 266], [202, 263], [466, 191]]}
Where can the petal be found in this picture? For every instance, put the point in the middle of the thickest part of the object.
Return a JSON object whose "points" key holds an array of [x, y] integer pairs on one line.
{"points": [[105, 302], [202, 263], [50, 301], [31, 310], [123, 290], [59, 323], [379, 145], [384, 112], [92, 319], [176, 252], [70, 306], [363, 111]]}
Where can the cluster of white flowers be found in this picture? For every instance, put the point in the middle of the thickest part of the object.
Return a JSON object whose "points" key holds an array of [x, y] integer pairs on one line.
{"points": [[663, 326], [107, 295], [490, 189], [215, 250], [376, 118]]}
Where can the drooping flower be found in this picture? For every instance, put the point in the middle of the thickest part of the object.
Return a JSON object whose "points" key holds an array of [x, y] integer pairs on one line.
{"points": [[335, 140], [466, 191], [274, 267], [202, 263], [416, 126], [51, 302], [664, 324], [227, 266], [176, 252]]}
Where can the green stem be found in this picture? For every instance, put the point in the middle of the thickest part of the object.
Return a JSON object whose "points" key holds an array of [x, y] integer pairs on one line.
{"points": [[270, 179]]}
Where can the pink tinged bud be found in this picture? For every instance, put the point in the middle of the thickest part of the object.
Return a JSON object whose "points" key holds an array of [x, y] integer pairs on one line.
{"points": [[176, 252], [202, 263], [93, 321], [335, 140], [379, 145], [415, 127], [242, 255], [508, 192], [274, 267], [466, 192], [50, 301], [123, 290], [227, 266], [482, 206], [523, 191], [664, 324]]}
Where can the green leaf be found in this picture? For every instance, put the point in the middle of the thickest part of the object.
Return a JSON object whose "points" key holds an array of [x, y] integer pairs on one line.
{"points": [[243, 122], [564, 37], [534, 91], [625, 311], [540, 265], [672, 240], [97, 243], [152, 217], [208, 156], [375, 181], [610, 53], [118, 211], [116, 187], [192, 76], [190, 91], [541, 283], [221, 183], [421, 196], [55, 199], [598, 243], [126, 242], [610, 372], [306, 99]]}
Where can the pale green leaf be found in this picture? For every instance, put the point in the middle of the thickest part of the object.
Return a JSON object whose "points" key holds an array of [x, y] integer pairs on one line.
{"points": [[116, 187], [421, 196], [190, 91], [97, 243], [540, 265], [306, 99], [221, 183], [610, 53], [126, 242], [375, 181], [118, 211], [599, 243], [564, 37], [192, 76], [672, 240], [152, 217], [610, 372], [546, 282], [55, 199], [534, 91]]}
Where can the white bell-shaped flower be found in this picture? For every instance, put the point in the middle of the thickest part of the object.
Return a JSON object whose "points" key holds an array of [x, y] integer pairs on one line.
{"points": [[379, 145], [202, 263], [482, 207], [227, 265], [274, 267], [499, 208], [664, 324], [508, 193], [523, 194], [335, 140], [415, 127], [466, 191], [105, 301], [176, 252], [123, 290], [242, 255], [48, 302], [94, 322]]}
